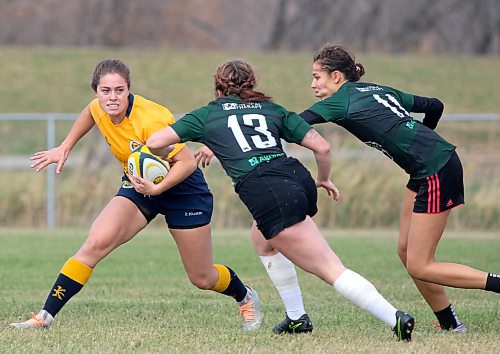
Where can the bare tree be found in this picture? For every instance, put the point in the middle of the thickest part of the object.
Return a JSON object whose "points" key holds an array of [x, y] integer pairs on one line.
{"points": [[459, 26]]}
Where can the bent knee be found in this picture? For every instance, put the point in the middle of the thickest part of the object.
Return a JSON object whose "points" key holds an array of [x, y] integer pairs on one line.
{"points": [[96, 246], [402, 254], [202, 281], [416, 270]]}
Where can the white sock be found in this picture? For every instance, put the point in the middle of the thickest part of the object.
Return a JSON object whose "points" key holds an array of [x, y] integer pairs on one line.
{"points": [[47, 317], [361, 292], [284, 277]]}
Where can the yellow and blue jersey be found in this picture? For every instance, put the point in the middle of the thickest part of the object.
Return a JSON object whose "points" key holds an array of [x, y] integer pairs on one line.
{"points": [[143, 117]]}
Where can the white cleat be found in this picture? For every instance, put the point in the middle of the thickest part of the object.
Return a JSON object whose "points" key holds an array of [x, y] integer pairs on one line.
{"points": [[250, 311], [42, 320]]}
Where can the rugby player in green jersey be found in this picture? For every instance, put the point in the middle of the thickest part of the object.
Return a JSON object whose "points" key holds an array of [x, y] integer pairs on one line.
{"points": [[244, 128], [379, 116]]}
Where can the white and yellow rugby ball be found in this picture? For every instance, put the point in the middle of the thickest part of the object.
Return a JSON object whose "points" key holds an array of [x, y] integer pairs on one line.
{"points": [[143, 163]]}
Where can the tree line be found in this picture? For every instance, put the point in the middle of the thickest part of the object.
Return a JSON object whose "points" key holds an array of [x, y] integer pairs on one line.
{"points": [[390, 26]]}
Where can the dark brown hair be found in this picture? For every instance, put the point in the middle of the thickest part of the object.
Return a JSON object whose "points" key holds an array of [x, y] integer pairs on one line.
{"points": [[237, 78], [334, 57], [110, 66]]}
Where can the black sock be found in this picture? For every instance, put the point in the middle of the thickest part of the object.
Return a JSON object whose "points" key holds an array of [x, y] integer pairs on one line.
{"points": [[447, 318], [64, 289], [229, 284], [73, 276], [493, 283]]}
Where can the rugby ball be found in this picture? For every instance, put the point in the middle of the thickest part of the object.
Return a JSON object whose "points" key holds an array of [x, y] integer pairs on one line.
{"points": [[143, 163]]}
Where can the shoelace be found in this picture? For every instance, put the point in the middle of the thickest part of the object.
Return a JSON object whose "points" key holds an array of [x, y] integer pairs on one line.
{"points": [[247, 311], [36, 320], [435, 324]]}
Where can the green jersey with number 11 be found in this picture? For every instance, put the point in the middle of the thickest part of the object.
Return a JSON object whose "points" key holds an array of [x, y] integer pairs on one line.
{"points": [[378, 116], [242, 134]]}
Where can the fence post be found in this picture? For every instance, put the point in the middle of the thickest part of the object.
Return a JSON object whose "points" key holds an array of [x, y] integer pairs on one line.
{"points": [[51, 175]]}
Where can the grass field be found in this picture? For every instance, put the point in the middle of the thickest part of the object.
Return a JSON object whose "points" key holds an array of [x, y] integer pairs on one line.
{"points": [[139, 299]]}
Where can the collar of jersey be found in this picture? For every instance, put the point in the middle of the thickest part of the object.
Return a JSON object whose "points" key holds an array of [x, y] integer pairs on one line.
{"points": [[130, 104]]}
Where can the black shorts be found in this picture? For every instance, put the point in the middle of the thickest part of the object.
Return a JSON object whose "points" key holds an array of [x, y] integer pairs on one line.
{"points": [[187, 205], [442, 191], [279, 193]]}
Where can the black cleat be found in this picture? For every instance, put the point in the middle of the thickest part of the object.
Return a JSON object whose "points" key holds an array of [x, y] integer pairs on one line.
{"points": [[405, 324], [302, 325]]}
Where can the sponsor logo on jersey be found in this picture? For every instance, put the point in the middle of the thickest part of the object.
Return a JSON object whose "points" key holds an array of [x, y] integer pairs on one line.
{"points": [[134, 144], [127, 184], [369, 88], [378, 147], [229, 106], [254, 161], [410, 124]]}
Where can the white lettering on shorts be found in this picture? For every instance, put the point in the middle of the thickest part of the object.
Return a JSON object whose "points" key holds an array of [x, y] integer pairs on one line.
{"points": [[193, 213]]}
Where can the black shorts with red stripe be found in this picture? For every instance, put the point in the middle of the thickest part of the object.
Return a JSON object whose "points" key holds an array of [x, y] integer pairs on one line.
{"points": [[441, 191]]}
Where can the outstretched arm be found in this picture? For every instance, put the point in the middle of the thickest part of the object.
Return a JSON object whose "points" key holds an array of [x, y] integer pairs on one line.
{"points": [[59, 154], [321, 149]]}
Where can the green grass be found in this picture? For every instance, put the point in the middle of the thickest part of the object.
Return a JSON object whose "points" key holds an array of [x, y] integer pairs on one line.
{"points": [[139, 298]]}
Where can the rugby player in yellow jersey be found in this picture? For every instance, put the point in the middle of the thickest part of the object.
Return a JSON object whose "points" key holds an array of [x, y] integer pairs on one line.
{"points": [[183, 197]]}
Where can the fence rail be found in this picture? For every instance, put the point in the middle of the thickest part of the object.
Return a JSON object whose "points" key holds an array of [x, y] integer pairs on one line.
{"points": [[52, 118]]}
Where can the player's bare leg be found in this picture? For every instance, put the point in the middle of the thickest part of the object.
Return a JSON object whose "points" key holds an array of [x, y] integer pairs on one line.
{"points": [[433, 294], [195, 249], [423, 237], [118, 222]]}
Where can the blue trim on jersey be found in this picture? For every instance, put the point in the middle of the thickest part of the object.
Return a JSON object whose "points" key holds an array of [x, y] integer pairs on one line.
{"points": [[130, 105]]}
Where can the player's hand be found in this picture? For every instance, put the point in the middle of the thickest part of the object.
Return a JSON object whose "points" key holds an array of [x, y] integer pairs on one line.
{"points": [[42, 159], [331, 189], [144, 186], [204, 155]]}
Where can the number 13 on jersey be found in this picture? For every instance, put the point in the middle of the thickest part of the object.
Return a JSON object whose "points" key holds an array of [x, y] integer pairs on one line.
{"points": [[256, 121]]}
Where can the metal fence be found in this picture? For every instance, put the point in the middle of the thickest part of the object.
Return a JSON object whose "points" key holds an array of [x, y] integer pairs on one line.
{"points": [[52, 118]]}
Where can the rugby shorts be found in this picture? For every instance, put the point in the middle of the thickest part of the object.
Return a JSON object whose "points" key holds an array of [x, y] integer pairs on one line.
{"points": [[278, 193], [187, 205], [441, 191]]}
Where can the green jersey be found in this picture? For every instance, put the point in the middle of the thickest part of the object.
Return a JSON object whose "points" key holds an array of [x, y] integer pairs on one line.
{"points": [[242, 134], [378, 116]]}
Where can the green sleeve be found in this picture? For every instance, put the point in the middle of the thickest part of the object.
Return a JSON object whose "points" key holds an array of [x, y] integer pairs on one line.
{"points": [[191, 126], [294, 128], [333, 108]]}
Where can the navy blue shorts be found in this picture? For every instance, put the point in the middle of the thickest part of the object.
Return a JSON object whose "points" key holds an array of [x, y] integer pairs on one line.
{"points": [[185, 206], [279, 193], [442, 191]]}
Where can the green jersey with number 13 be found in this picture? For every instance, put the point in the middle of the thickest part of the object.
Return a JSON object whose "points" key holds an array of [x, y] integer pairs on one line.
{"points": [[242, 134]]}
